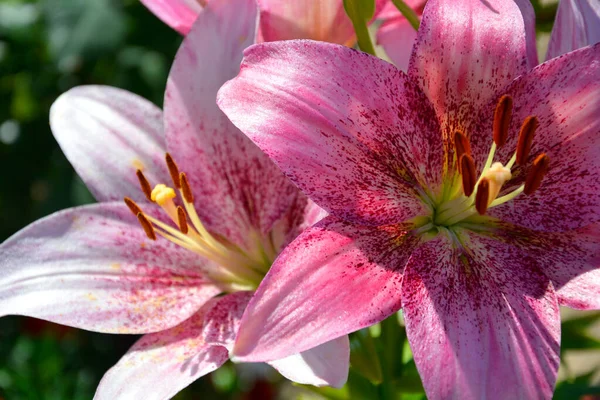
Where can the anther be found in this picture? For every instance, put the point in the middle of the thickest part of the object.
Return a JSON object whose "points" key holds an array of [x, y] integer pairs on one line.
{"points": [[182, 220], [526, 138], [185, 188], [144, 184], [469, 177], [462, 145], [134, 208], [538, 170], [147, 226], [482, 197], [502, 116], [173, 170]]}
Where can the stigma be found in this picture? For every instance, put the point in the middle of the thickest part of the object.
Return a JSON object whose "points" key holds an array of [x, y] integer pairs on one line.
{"points": [[471, 193], [228, 266]]}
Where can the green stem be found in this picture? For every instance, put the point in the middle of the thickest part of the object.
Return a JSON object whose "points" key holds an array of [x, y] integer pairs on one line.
{"points": [[363, 37], [392, 341], [408, 13]]}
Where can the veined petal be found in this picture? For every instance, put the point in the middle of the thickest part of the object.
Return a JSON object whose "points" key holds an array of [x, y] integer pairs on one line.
{"points": [[482, 322], [237, 189], [333, 279], [563, 94], [397, 37], [178, 14], [466, 52], [161, 364], [349, 129], [324, 365], [108, 133], [323, 20], [570, 259], [577, 25], [93, 268]]}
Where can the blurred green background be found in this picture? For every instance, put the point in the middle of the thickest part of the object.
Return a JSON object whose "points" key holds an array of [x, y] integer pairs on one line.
{"points": [[49, 46]]}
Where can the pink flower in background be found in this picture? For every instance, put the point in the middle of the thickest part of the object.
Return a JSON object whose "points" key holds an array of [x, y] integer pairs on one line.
{"points": [[323, 20], [465, 193], [577, 25], [95, 268]]}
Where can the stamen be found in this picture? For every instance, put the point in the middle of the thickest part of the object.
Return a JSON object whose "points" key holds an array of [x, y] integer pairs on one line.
{"points": [[135, 209], [526, 138], [147, 226], [502, 117], [185, 188], [536, 174], [173, 170], [182, 220], [469, 176], [462, 145], [144, 184], [482, 196]]}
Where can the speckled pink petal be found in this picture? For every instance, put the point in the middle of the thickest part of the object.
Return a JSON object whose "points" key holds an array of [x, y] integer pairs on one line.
{"points": [[108, 133], [178, 14], [563, 94], [333, 279], [397, 37], [93, 268], [349, 129], [323, 20], [577, 25], [237, 189], [466, 52], [482, 323], [570, 259], [161, 364]]}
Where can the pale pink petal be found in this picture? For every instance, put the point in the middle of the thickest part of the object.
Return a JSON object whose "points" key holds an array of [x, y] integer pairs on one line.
{"points": [[465, 53], [333, 279], [237, 189], [570, 259], [108, 133], [92, 267], [323, 20], [324, 365], [390, 11], [483, 322], [397, 37], [349, 129], [563, 94], [577, 25], [178, 14], [161, 364]]}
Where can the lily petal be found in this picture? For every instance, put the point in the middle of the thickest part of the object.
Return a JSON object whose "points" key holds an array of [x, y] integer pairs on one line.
{"points": [[563, 94], [577, 25], [482, 324], [237, 189], [333, 279], [329, 116], [108, 133], [466, 52], [93, 268], [161, 364], [397, 37], [178, 14], [570, 259], [324, 365]]}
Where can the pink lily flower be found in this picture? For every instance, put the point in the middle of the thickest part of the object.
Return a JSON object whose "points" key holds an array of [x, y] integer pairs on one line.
{"points": [[323, 20], [396, 35], [186, 274], [464, 192], [577, 25]]}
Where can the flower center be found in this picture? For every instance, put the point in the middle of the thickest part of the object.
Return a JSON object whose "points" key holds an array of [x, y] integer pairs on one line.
{"points": [[231, 267], [468, 196]]}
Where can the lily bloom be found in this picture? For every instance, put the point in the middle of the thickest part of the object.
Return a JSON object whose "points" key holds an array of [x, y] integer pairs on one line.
{"points": [[464, 192], [323, 20], [577, 25], [183, 268]]}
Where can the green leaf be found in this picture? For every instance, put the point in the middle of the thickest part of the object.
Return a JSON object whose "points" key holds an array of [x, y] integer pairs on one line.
{"points": [[363, 356]]}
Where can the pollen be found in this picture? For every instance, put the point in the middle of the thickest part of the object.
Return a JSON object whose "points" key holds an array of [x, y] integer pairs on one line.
{"points": [[162, 194]]}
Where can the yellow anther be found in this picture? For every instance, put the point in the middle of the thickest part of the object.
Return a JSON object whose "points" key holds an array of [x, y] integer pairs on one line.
{"points": [[161, 194]]}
